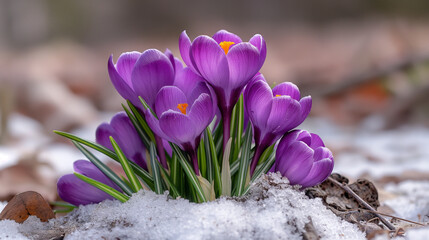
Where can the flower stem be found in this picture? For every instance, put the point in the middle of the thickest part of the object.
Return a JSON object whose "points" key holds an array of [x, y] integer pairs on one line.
{"points": [[194, 159], [226, 115], [161, 151], [255, 159]]}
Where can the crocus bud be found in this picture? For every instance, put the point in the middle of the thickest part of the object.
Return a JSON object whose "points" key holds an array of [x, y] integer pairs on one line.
{"points": [[303, 158], [77, 192]]}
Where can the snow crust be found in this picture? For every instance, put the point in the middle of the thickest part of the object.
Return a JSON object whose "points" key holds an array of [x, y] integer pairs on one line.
{"points": [[10, 230], [272, 210]]}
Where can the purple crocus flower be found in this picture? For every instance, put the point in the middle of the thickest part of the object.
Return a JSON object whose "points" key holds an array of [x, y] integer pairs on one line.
{"points": [[143, 74], [303, 158], [226, 63], [77, 192], [124, 133], [182, 117], [273, 112]]}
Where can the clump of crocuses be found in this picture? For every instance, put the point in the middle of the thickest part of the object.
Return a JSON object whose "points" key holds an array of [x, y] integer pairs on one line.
{"points": [[199, 131]]}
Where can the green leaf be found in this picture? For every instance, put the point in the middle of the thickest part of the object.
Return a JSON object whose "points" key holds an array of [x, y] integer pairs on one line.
{"points": [[234, 167], [206, 148], [146, 106], [171, 187], [218, 139], [65, 210], [62, 204], [266, 165], [202, 160], [175, 170], [239, 123], [187, 168], [213, 155], [266, 154], [139, 116], [226, 172], [135, 183], [137, 126], [244, 162], [143, 174], [105, 169], [155, 169], [103, 187]]}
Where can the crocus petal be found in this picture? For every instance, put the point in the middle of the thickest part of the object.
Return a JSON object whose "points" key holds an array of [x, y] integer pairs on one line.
{"points": [[177, 126], [184, 47], [128, 139], [316, 141], [169, 97], [125, 90], [187, 80], [305, 137], [77, 192], [321, 153], [296, 162], [202, 113], [199, 88], [243, 62], [210, 60], [305, 103], [102, 134], [258, 98], [286, 141], [170, 57], [318, 173], [258, 41], [167, 147], [153, 123], [287, 89], [283, 115], [178, 65], [126, 64], [88, 169], [225, 36], [152, 71]]}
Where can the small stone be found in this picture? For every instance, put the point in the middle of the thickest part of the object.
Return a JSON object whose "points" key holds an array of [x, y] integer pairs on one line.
{"points": [[25, 204]]}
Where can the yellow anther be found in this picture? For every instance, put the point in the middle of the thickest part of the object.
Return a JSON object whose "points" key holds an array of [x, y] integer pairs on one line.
{"points": [[225, 45], [182, 107], [278, 95]]}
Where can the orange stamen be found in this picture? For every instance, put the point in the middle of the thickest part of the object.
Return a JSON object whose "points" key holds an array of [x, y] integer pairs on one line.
{"points": [[277, 95], [182, 107], [225, 45]]}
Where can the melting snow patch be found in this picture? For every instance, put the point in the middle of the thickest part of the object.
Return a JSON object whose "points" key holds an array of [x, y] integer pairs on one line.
{"points": [[272, 210], [412, 200]]}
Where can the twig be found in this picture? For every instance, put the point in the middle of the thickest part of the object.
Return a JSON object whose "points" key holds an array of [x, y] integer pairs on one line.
{"points": [[394, 217], [362, 202]]}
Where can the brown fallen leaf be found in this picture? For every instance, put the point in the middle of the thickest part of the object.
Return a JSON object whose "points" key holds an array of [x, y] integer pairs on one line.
{"points": [[344, 205], [27, 204]]}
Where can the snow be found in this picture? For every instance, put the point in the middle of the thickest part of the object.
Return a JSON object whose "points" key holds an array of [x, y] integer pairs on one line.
{"points": [[29, 138], [9, 230], [412, 200], [418, 233], [374, 152], [2, 205], [272, 210]]}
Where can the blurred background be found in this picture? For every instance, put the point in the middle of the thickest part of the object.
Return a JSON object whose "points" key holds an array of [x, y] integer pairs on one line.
{"points": [[365, 63]]}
